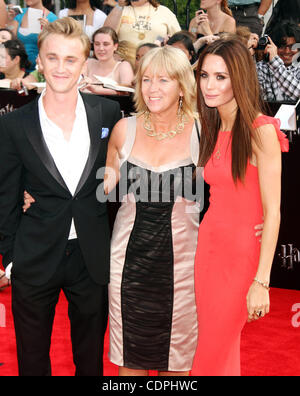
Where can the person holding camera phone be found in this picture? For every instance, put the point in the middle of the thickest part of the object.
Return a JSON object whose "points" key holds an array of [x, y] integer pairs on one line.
{"points": [[250, 13], [214, 17], [22, 29], [279, 71]]}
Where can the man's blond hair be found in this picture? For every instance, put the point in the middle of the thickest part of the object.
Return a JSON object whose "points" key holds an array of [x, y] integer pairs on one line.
{"points": [[69, 28]]}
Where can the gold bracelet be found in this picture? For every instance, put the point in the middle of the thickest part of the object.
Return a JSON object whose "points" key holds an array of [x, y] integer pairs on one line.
{"points": [[263, 284]]}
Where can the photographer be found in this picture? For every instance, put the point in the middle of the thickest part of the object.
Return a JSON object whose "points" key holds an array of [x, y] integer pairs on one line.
{"points": [[250, 13], [279, 72]]}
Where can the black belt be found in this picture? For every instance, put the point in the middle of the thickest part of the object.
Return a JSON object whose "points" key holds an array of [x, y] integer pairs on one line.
{"points": [[243, 7]]}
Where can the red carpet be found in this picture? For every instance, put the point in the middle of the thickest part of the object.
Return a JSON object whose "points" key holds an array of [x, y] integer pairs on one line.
{"points": [[270, 347]]}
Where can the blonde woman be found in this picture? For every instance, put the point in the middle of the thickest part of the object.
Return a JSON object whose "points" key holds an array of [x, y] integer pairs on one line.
{"points": [[152, 306]]}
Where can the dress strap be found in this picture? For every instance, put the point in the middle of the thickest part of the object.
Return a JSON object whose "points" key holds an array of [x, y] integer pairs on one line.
{"points": [[112, 73], [130, 139]]}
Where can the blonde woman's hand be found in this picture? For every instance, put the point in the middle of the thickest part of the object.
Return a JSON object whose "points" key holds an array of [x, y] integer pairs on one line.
{"points": [[28, 200]]}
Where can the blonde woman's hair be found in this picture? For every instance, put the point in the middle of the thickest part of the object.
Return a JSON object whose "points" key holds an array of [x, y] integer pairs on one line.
{"points": [[69, 28], [175, 63]]}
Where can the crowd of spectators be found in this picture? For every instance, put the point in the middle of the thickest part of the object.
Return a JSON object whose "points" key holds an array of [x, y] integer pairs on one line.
{"points": [[133, 27], [278, 71]]}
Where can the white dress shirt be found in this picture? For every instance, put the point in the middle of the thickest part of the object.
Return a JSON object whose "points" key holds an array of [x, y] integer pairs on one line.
{"points": [[70, 156]]}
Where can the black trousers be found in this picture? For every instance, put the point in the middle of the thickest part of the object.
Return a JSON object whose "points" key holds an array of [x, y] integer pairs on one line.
{"points": [[34, 308], [248, 17]]}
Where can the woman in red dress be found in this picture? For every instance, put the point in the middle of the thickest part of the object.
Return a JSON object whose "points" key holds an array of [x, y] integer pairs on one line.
{"points": [[241, 154]]}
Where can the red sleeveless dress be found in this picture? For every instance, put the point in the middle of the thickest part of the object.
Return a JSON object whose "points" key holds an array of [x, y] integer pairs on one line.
{"points": [[227, 259]]}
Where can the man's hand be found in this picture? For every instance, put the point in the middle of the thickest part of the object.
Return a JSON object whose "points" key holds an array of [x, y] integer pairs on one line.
{"points": [[271, 49], [4, 282]]}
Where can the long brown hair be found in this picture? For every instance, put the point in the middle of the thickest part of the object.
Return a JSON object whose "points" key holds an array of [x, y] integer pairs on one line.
{"points": [[246, 91], [225, 8]]}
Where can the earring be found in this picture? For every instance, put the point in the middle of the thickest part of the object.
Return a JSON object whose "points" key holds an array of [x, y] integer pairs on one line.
{"points": [[180, 106]]}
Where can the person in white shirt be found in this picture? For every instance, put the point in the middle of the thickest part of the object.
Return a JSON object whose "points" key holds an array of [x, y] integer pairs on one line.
{"points": [[95, 17], [53, 148]]}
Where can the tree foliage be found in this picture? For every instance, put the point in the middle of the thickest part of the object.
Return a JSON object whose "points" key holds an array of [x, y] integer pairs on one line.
{"points": [[182, 9], [180, 4]]}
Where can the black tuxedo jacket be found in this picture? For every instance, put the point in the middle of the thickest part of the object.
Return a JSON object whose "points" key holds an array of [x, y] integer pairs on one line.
{"points": [[35, 241]]}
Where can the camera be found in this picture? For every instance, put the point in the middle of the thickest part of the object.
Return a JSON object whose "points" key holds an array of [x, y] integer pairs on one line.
{"points": [[262, 44]]}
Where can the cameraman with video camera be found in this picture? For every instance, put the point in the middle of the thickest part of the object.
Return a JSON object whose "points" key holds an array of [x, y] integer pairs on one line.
{"points": [[279, 71]]}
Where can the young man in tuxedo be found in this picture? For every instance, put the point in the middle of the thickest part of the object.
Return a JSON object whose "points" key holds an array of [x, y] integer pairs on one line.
{"points": [[52, 148]]}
